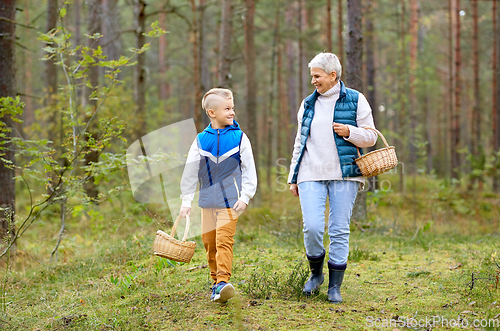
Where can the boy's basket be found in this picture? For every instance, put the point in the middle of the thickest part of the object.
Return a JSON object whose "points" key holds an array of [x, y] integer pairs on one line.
{"points": [[170, 248], [378, 161]]}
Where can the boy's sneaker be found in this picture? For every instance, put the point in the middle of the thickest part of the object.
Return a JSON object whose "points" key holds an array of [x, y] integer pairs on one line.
{"points": [[223, 292], [212, 296]]}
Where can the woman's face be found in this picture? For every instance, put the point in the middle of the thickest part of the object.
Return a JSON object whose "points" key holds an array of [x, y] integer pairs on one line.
{"points": [[322, 80]]}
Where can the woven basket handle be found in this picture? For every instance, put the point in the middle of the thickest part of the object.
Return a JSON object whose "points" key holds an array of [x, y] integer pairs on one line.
{"points": [[379, 133], [175, 226]]}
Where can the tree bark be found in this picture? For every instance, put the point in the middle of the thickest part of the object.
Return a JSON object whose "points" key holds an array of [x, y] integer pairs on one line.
{"points": [[455, 141], [110, 18], [78, 21], [354, 70], [205, 83], [94, 26], [50, 65], [370, 77], [355, 78], [51, 73], [226, 30], [303, 71], [329, 25], [282, 104], [7, 89], [162, 45], [401, 99], [476, 116], [251, 82], [340, 28], [140, 72], [29, 113], [495, 116], [196, 67], [413, 76], [291, 77]]}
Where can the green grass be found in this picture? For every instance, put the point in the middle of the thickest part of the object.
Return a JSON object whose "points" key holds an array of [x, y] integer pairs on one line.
{"points": [[106, 278]]}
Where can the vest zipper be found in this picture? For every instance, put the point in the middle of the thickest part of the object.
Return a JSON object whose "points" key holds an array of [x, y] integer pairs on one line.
{"points": [[218, 142]]}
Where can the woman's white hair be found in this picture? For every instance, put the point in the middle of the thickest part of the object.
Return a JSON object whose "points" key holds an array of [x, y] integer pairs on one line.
{"points": [[328, 62]]}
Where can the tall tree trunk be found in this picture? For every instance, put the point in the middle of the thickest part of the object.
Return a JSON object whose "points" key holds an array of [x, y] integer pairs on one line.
{"points": [[401, 93], [205, 83], [455, 141], [495, 116], [291, 78], [340, 28], [413, 93], [476, 115], [51, 72], [429, 122], [196, 67], [94, 26], [226, 30], [269, 110], [329, 25], [370, 77], [77, 6], [162, 45], [110, 18], [29, 114], [451, 100], [140, 72], [354, 70], [355, 78], [7, 89], [251, 82], [282, 104], [303, 31]]}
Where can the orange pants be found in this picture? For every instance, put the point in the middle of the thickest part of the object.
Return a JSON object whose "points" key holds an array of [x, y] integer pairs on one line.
{"points": [[218, 227]]}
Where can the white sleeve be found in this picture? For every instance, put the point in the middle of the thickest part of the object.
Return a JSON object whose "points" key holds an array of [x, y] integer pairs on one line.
{"points": [[359, 136], [189, 178], [248, 171], [296, 145]]}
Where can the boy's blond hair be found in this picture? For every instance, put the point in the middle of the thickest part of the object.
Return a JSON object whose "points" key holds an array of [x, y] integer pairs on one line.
{"points": [[208, 101]]}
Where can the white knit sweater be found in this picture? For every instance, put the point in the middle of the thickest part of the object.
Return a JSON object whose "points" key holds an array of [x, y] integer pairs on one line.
{"points": [[321, 160]]}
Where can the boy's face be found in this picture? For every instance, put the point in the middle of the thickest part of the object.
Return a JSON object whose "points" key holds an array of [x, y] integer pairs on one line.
{"points": [[222, 112]]}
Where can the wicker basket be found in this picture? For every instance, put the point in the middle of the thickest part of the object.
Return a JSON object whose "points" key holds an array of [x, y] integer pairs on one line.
{"points": [[170, 248], [378, 161]]}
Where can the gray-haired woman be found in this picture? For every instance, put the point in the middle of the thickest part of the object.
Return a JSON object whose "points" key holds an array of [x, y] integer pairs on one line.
{"points": [[330, 123]]}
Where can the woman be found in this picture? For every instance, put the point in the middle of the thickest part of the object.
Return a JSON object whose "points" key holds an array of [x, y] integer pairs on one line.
{"points": [[330, 127]]}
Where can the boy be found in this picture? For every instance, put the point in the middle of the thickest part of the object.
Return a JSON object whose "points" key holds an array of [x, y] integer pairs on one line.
{"points": [[221, 160]]}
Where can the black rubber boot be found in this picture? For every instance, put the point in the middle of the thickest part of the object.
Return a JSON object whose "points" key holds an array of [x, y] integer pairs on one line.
{"points": [[336, 276], [316, 278]]}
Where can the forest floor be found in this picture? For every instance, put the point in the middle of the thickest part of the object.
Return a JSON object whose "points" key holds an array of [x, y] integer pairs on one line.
{"points": [[440, 275]]}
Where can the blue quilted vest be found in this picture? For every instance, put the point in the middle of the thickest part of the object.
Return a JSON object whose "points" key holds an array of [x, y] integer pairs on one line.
{"points": [[345, 112], [219, 173]]}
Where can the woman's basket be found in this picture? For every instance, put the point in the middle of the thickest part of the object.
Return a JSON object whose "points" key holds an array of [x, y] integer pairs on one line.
{"points": [[170, 248], [378, 161]]}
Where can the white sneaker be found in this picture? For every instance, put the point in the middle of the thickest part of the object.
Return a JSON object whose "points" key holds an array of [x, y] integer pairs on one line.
{"points": [[224, 292]]}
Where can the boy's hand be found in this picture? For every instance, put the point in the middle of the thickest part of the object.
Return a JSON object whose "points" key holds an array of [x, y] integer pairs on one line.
{"points": [[294, 189], [341, 129], [185, 211], [239, 206]]}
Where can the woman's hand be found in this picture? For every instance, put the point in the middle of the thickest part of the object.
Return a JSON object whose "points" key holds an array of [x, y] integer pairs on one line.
{"points": [[341, 129], [294, 189]]}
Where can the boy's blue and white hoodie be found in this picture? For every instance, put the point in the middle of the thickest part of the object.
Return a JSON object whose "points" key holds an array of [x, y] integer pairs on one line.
{"points": [[221, 161]]}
